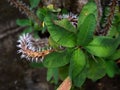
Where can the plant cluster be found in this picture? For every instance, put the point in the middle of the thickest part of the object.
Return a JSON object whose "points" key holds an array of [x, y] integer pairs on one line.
{"points": [[74, 48]]}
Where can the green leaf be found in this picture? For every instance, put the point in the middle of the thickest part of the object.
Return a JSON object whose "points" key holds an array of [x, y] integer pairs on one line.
{"points": [[52, 72], [115, 56], [111, 68], [112, 32], [80, 78], [103, 46], [86, 31], [56, 59], [23, 22], [49, 73], [118, 28], [41, 13], [77, 63], [89, 8], [36, 27], [27, 30], [96, 70], [34, 3], [65, 24], [63, 72], [59, 34], [53, 43]]}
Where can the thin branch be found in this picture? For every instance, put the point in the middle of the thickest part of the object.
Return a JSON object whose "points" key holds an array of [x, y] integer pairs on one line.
{"points": [[25, 9], [109, 18], [10, 32], [99, 8]]}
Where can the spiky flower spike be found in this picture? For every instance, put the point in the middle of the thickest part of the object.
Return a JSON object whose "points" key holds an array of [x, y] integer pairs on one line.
{"points": [[110, 17], [25, 9], [32, 49], [73, 18]]}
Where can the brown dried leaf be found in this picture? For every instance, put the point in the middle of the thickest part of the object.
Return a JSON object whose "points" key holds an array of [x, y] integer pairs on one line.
{"points": [[66, 84]]}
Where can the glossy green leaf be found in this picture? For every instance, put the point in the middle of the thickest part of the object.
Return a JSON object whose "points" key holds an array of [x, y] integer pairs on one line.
{"points": [[59, 34], [96, 70], [89, 8], [77, 63], [52, 73], [34, 3], [23, 22], [115, 56], [63, 72], [41, 13], [53, 43], [56, 59], [111, 68], [103, 46], [86, 31], [66, 25], [80, 79], [49, 73]]}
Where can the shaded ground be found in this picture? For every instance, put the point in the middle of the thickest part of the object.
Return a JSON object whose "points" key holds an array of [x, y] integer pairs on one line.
{"points": [[104, 84], [15, 74]]}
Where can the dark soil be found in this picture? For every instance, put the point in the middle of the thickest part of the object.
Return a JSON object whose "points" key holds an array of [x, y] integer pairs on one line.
{"points": [[15, 73]]}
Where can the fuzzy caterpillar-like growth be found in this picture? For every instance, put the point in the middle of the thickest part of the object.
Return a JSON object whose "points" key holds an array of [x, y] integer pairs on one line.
{"points": [[109, 17], [25, 9], [32, 49], [36, 49], [73, 18]]}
